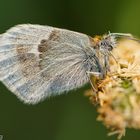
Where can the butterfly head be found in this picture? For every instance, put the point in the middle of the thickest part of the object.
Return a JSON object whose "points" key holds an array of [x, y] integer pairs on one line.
{"points": [[109, 41]]}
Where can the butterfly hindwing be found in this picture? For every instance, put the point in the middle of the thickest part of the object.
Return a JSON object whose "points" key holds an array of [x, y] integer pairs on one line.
{"points": [[39, 61]]}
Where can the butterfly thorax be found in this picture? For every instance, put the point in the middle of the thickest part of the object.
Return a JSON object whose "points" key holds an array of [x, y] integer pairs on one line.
{"points": [[103, 45]]}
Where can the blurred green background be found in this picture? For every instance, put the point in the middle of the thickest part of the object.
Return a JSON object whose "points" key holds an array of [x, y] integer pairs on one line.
{"points": [[71, 116]]}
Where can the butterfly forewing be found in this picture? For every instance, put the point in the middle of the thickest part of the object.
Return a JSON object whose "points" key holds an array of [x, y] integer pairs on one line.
{"points": [[40, 61]]}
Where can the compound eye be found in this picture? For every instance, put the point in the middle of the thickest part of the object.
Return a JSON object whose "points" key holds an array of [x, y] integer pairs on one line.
{"points": [[101, 43], [110, 47]]}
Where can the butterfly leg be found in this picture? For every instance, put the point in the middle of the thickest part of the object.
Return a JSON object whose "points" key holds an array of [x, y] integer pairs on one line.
{"points": [[107, 67], [94, 75]]}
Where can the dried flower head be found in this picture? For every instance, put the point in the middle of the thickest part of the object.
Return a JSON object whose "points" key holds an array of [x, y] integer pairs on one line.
{"points": [[118, 94]]}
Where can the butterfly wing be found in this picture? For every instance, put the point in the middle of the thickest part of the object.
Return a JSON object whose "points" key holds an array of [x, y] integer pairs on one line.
{"points": [[40, 61]]}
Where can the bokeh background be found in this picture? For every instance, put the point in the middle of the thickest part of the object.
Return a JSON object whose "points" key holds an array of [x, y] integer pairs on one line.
{"points": [[71, 116]]}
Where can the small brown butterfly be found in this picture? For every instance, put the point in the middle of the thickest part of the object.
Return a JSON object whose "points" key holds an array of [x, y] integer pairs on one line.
{"points": [[41, 61]]}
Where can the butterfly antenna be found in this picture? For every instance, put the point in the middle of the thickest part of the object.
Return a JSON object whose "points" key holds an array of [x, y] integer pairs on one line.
{"points": [[123, 35]]}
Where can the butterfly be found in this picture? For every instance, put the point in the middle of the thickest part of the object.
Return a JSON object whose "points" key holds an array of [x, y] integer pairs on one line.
{"points": [[41, 61]]}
